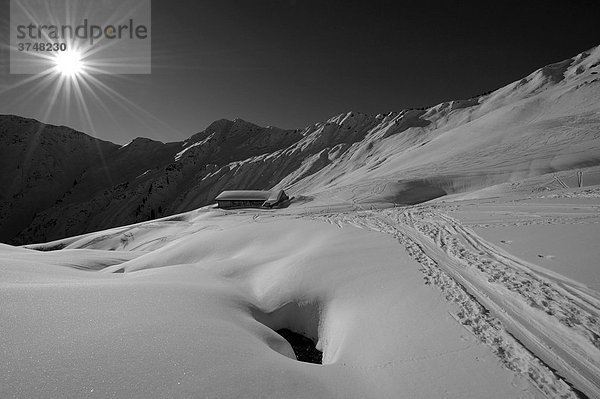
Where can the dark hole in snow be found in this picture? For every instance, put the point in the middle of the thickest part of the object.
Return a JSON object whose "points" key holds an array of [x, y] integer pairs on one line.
{"points": [[297, 323], [119, 271], [304, 348]]}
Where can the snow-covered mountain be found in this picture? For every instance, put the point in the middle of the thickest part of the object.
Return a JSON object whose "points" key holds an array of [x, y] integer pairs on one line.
{"points": [[91, 186], [63, 183], [39, 165], [491, 290]]}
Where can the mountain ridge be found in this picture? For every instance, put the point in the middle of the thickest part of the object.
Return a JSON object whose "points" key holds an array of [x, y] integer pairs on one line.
{"points": [[542, 122]]}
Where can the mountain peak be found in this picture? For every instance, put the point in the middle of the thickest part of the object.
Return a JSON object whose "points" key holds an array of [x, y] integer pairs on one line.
{"points": [[501, 135]]}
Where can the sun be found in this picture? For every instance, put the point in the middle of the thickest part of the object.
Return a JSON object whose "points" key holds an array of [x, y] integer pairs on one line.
{"points": [[69, 63]]}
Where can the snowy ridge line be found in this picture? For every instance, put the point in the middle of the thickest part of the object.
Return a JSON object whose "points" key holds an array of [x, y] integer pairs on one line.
{"points": [[519, 342]]}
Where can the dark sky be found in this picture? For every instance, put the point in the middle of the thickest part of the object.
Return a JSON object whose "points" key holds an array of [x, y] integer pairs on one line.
{"points": [[291, 63]]}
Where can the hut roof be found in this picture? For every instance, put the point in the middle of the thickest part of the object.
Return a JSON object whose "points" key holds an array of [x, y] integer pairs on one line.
{"points": [[244, 195], [276, 196]]}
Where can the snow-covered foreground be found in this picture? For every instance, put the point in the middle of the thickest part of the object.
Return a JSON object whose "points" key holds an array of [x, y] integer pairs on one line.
{"points": [[404, 302]]}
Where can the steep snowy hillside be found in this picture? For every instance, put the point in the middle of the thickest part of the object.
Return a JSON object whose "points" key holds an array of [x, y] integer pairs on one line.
{"points": [[39, 164], [544, 123], [138, 181]]}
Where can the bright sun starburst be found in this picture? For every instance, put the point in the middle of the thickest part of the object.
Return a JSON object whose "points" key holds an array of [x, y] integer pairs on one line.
{"points": [[69, 49], [69, 63]]}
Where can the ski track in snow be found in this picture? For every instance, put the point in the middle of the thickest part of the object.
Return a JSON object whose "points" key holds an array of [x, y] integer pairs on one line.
{"points": [[539, 323], [588, 193]]}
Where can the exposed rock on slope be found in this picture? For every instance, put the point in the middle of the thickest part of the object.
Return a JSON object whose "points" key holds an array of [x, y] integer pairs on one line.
{"points": [[546, 122], [124, 184], [39, 164]]}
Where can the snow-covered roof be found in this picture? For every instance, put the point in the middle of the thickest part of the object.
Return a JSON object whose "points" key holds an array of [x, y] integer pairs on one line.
{"points": [[244, 195], [274, 197]]}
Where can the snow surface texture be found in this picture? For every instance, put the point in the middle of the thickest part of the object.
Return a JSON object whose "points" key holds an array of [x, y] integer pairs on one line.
{"points": [[544, 123], [395, 298], [489, 289]]}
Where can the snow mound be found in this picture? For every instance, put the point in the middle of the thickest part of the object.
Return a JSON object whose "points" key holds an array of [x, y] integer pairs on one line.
{"points": [[197, 310]]}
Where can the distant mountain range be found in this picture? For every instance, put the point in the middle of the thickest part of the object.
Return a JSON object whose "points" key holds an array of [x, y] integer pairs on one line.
{"points": [[58, 182]]}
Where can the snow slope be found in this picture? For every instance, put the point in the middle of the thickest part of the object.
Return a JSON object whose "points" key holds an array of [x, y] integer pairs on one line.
{"points": [[404, 302], [544, 123], [195, 310], [489, 289]]}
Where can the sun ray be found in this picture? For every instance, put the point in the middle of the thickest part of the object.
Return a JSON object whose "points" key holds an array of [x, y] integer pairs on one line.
{"points": [[43, 82], [64, 78], [70, 81], [98, 100], [130, 105]]}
